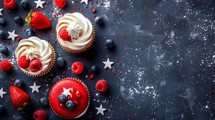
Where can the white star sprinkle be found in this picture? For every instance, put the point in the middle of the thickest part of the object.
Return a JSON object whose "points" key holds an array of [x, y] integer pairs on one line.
{"points": [[12, 35], [2, 92], [39, 3], [100, 110], [35, 88], [108, 63], [66, 92], [85, 1], [1, 9]]}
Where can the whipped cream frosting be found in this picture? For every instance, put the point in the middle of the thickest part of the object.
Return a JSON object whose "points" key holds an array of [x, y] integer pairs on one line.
{"points": [[79, 29], [34, 48]]}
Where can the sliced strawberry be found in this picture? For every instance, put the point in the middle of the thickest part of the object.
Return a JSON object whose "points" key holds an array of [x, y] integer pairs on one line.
{"points": [[19, 98]]}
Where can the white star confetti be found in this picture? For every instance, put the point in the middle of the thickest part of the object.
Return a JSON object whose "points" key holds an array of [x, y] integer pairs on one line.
{"points": [[100, 110], [108, 63], [85, 1], [2, 92], [66, 92], [1, 9], [35, 88], [39, 3], [12, 35]]}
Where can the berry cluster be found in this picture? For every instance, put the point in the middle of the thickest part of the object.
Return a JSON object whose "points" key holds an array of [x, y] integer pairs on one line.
{"points": [[34, 65]]}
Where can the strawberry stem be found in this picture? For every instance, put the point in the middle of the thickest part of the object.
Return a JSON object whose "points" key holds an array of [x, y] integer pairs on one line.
{"points": [[28, 18]]}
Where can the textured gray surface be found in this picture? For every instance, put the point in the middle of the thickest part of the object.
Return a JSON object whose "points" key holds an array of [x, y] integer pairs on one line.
{"points": [[164, 59]]}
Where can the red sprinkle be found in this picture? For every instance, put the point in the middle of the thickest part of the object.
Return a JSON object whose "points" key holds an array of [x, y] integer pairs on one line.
{"points": [[94, 10], [91, 76], [19, 38]]}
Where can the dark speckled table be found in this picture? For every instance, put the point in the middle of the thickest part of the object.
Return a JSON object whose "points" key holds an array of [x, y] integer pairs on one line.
{"points": [[164, 59]]}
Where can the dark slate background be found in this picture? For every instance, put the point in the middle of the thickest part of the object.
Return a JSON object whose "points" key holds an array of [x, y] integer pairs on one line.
{"points": [[164, 59]]}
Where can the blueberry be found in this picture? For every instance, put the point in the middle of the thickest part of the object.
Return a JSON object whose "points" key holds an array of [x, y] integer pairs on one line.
{"points": [[18, 20], [44, 101], [18, 118], [62, 98], [99, 20], [3, 22], [94, 69], [3, 34], [2, 109], [25, 4], [70, 105], [4, 50], [61, 62], [89, 115], [18, 83], [30, 32], [25, 114], [109, 43]]}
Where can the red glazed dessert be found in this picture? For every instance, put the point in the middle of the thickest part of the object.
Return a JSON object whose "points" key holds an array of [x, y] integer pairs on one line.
{"points": [[69, 98]]}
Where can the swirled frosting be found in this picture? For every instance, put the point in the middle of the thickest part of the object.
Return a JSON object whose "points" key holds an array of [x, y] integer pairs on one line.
{"points": [[34, 48], [79, 29]]}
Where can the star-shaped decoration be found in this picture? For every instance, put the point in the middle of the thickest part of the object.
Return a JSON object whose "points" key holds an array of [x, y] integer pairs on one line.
{"points": [[108, 63], [85, 1], [2, 92], [39, 3], [100, 110], [35, 87], [66, 92], [1, 9], [12, 35]]}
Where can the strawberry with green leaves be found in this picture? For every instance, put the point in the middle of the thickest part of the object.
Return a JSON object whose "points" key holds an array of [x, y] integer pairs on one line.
{"points": [[37, 20], [19, 98]]}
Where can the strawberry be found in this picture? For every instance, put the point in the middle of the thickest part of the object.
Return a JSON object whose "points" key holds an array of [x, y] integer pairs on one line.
{"points": [[60, 3], [38, 20], [23, 62], [39, 115], [5, 65], [64, 34], [19, 98], [10, 4]]}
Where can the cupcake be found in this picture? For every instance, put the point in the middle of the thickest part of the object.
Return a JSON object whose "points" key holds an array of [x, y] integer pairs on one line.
{"points": [[69, 98], [75, 33], [34, 56]]}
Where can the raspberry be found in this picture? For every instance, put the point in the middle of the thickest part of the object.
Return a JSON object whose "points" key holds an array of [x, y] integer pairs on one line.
{"points": [[101, 86], [64, 34], [23, 62], [5, 65], [10, 4], [39, 115], [35, 65], [60, 3], [77, 68]]}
